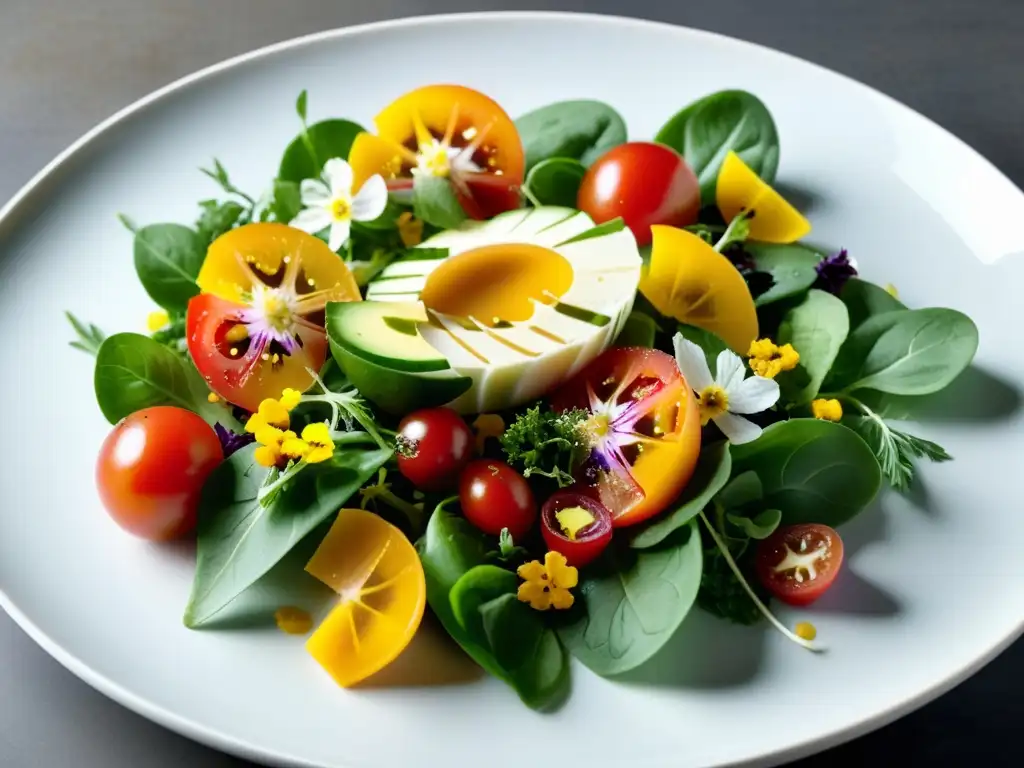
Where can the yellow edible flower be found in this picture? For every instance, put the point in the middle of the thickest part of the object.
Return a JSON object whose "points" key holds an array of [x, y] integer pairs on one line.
{"points": [[157, 320], [293, 621], [294, 447], [827, 410], [271, 452], [547, 586], [806, 631], [769, 360], [487, 425], [410, 230], [891, 290], [290, 398], [318, 438], [213, 397], [270, 414]]}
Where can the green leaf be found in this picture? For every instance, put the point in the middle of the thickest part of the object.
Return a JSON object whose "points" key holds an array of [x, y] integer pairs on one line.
{"points": [[330, 139], [300, 105], [791, 266], [710, 476], [745, 488], [633, 601], [580, 130], [555, 181], [864, 300], [435, 202], [90, 338], [135, 372], [905, 352], [287, 201], [239, 539], [167, 259], [639, 330], [706, 130], [817, 328], [216, 219], [479, 585], [895, 450], [759, 527], [608, 228], [813, 471]]}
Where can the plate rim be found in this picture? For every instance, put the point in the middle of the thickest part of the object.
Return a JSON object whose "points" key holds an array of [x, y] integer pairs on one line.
{"points": [[21, 202]]}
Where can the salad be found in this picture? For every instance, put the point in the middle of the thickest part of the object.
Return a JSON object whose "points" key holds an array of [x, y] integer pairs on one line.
{"points": [[558, 386]]}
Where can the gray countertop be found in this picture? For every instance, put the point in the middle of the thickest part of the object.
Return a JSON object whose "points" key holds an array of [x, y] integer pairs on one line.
{"points": [[67, 64]]}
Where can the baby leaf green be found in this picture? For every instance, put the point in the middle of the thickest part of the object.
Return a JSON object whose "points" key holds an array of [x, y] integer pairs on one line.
{"points": [[555, 181], [864, 300], [329, 139], [167, 259], [745, 488], [579, 130], [761, 526], [435, 202], [817, 328], [791, 266], [639, 330]]}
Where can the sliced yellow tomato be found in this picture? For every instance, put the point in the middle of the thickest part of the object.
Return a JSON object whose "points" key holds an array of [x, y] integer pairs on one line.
{"points": [[378, 575], [689, 280], [740, 189]]}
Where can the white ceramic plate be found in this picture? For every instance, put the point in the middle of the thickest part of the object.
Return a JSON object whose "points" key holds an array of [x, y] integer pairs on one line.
{"points": [[932, 586]]}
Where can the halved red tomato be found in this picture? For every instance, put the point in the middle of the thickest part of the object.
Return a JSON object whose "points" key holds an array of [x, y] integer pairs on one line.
{"points": [[645, 428], [258, 325], [448, 131], [798, 563]]}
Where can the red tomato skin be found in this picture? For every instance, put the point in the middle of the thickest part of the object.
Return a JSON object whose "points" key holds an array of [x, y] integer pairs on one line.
{"points": [[494, 496], [484, 195], [591, 541], [151, 469], [645, 184], [441, 444], [771, 551]]}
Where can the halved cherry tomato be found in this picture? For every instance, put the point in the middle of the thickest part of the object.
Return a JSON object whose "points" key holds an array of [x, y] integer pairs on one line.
{"points": [[258, 325], [799, 562], [494, 496], [645, 184], [448, 131], [645, 426], [576, 525], [438, 444], [151, 469]]}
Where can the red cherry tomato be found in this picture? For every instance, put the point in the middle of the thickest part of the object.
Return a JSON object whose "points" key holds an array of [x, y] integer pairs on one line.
{"points": [[798, 563], [151, 469], [494, 496], [586, 544], [643, 183], [438, 445]]}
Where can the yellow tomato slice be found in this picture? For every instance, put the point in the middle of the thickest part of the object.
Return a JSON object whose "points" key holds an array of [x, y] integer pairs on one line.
{"points": [[689, 280], [378, 575], [263, 251], [739, 189]]}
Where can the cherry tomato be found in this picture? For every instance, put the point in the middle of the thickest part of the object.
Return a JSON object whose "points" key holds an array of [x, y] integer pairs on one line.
{"points": [[494, 496], [646, 426], [799, 562], [450, 132], [581, 546], [438, 445], [258, 325], [151, 469], [643, 183]]}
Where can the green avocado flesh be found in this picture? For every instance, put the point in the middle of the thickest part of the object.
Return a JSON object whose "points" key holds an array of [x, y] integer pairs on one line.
{"points": [[385, 333]]}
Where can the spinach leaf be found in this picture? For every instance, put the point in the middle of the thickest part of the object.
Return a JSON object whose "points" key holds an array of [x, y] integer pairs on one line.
{"points": [[706, 130], [434, 202], [906, 352], [761, 526], [633, 601], [813, 471], [580, 130], [791, 266], [329, 138], [135, 372], [639, 330], [239, 539], [167, 259], [817, 328], [711, 474], [864, 300], [555, 181], [216, 219], [287, 201], [745, 488]]}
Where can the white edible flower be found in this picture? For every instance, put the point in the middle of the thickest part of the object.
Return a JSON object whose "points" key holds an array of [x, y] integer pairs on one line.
{"points": [[331, 203], [721, 397]]}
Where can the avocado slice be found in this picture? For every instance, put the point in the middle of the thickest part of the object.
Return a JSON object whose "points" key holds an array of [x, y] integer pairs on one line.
{"points": [[385, 333]]}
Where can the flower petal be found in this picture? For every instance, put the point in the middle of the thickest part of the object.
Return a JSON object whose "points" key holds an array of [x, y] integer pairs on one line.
{"points": [[561, 599], [532, 571], [535, 594], [312, 220], [729, 370], [737, 429], [314, 193], [339, 234], [692, 363], [338, 175], [371, 200], [753, 395]]}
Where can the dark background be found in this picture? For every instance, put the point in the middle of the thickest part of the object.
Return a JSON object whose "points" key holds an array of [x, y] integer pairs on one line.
{"points": [[67, 64]]}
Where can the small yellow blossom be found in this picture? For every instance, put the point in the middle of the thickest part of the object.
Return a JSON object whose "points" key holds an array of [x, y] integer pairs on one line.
{"points": [[267, 455], [487, 425], [769, 360], [318, 438], [891, 290], [294, 447], [827, 410], [410, 230], [293, 621], [157, 320], [213, 397], [290, 398], [270, 414], [272, 440], [547, 586], [806, 631]]}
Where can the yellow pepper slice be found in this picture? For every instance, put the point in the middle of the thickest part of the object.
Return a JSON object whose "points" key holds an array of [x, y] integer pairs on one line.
{"points": [[740, 189]]}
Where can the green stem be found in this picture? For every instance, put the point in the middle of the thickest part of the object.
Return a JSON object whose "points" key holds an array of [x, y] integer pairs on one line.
{"points": [[265, 496], [734, 233], [308, 141], [530, 196], [413, 513]]}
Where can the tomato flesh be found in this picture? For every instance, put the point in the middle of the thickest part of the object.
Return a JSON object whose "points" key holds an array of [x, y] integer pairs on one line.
{"points": [[645, 184], [494, 496], [437, 444], [586, 544], [151, 469], [645, 426], [798, 563]]}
